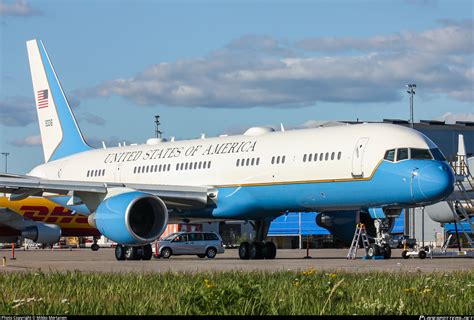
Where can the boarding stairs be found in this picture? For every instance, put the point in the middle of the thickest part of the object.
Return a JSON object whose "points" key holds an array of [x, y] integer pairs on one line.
{"points": [[461, 200], [360, 233]]}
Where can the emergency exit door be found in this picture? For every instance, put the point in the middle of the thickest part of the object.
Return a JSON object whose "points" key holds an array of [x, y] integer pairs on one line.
{"points": [[358, 156]]}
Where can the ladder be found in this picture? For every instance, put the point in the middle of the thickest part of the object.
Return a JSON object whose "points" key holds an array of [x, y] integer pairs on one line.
{"points": [[461, 200], [359, 233]]}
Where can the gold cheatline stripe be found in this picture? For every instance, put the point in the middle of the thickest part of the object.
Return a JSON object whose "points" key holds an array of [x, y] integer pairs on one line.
{"points": [[299, 182]]}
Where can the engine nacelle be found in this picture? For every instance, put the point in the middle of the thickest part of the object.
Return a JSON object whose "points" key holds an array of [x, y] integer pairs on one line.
{"points": [[342, 224], [131, 218], [440, 212], [42, 233]]}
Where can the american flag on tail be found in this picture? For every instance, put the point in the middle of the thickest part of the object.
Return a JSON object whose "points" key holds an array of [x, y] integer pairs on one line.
{"points": [[42, 96]]}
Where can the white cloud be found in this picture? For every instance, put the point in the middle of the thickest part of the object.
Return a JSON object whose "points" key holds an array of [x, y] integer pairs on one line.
{"points": [[30, 141], [451, 118], [19, 8], [17, 111], [261, 71]]}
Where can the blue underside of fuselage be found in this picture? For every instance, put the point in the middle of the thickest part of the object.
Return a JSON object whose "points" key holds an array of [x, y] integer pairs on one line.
{"points": [[393, 184]]}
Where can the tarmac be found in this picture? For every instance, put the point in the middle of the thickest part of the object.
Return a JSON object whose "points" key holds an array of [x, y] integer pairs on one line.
{"points": [[86, 260]]}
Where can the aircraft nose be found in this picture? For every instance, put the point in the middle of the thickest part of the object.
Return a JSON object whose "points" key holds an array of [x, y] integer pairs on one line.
{"points": [[435, 181]]}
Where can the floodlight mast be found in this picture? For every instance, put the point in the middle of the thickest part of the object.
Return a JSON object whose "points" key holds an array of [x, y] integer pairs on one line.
{"points": [[411, 92]]}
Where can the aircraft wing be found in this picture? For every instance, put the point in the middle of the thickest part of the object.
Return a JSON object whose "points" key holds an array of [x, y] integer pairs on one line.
{"points": [[175, 197]]}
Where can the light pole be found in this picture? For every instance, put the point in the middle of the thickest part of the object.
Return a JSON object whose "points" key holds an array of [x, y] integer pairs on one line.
{"points": [[6, 154], [411, 92]]}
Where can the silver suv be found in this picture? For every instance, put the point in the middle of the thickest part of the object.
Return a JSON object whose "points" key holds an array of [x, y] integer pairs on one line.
{"points": [[203, 244]]}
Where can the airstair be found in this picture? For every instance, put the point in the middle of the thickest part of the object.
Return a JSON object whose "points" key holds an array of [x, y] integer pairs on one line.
{"points": [[461, 200], [360, 232]]}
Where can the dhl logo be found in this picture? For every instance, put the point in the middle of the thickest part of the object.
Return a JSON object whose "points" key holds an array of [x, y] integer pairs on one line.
{"points": [[41, 209]]}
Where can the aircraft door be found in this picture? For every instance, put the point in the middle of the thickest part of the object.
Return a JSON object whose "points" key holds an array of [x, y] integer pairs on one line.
{"points": [[118, 172], [358, 156]]}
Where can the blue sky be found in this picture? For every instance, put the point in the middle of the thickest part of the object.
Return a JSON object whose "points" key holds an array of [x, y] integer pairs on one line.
{"points": [[221, 66]]}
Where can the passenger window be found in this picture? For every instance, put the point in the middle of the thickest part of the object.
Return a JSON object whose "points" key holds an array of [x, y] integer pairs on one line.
{"points": [[310, 157], [248, 162], [177, 166], [209, 164], [253, 161], [96, 173], [420, 154], [321, 155], [339, 156], [195, 165], [169, 167], [194, 236], [332, 156], [283, 159], [315, 157], [278, 159], [327, 156], [236, 164], [402, 154], [182, 166], [156, 168], [258, 161], [390, 155], [210, 236], [181, 238], [103, 172], [273, 160], [304, 158]]}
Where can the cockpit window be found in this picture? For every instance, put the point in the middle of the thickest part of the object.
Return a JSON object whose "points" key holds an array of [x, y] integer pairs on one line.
{"points": [[402, 154], [437, 154], [390, 155], [420, 154]]}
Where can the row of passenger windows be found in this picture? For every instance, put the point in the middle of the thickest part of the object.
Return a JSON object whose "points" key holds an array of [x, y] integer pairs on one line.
{"points": [[96, 173], [413, 153], [321, 156], [248, 162], [193, 165], [152, 168], [278, 159]]}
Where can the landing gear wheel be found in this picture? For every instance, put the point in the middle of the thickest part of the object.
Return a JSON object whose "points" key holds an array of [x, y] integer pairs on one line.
{"points": [[166, 253], [119, 252], [256, 250], [387, 251], [270, 250], [95, 247], [373, 251], [405, 254], [147, 252], [131, 253], [422, 254], [202, 256], [211, 252], [244, 251]]}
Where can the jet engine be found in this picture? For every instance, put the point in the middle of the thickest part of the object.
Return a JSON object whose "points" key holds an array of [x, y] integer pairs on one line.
{"points": [[42, 233], [131, 218], [342, 224], [440, 212]]}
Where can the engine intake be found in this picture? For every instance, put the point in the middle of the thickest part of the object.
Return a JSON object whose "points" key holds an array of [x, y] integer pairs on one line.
{"points": [[131, 218]]}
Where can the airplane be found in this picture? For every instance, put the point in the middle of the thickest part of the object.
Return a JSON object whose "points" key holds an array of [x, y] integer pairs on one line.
{"points": [[130, 193], [42, 221]]}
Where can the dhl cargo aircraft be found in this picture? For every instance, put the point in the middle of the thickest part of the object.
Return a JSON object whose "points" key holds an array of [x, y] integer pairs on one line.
{"points": [[130, 193], [42, 221]]}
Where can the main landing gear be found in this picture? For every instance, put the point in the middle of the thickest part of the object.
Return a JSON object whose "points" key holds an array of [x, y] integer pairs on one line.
{"points": [[258, 249], [133, 253]]}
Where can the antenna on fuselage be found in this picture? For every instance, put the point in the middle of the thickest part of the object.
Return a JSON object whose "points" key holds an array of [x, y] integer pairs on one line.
{"points": [[157, 127]]}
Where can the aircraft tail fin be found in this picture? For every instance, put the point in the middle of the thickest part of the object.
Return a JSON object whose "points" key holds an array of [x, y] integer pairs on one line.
{"points": [[60, 133]]}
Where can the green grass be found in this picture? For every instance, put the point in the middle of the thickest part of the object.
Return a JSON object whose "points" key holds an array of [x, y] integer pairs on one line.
{"points": [[237, 293]]}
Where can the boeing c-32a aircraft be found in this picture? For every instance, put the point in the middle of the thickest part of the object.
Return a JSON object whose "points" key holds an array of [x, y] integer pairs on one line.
{"points": [[130, 193]]}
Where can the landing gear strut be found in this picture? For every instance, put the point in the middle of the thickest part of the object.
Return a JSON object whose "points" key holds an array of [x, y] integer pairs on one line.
{"points": [[258, 249], [95, 246], [133, 253], [381, 247]]}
